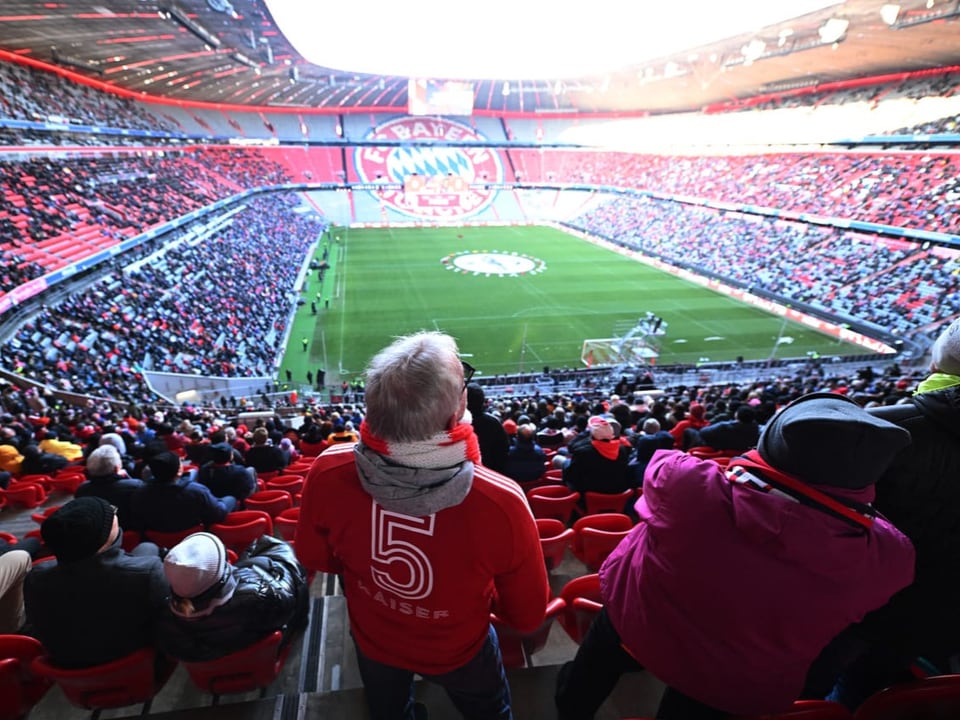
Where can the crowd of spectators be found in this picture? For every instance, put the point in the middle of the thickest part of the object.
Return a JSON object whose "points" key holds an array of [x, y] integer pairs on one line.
{"points": [[44, 199], [949, 124], [897, 285], [219, 307], [28, 416], [244, 166], [16, 270], [942, 84], [39, 96], [916, 190]]}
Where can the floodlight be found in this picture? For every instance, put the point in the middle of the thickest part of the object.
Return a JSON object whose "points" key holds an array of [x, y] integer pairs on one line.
{"points": [[169, 10], [833, 30], [889, 13]]}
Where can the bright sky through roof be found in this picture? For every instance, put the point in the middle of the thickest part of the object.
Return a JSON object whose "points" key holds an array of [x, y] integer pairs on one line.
{"points": [[507, 39]]}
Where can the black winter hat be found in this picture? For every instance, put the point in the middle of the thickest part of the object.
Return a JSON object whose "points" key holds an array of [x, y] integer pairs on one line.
{"points": [[827, 439], [221, 452], [164, 466], [78, 529]]}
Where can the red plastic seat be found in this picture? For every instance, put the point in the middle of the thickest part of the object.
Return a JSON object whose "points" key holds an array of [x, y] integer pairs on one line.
{"points": [[67, 482], [286, 523], [127, 681], [554, 539], [609, 522], [264, 477], [40, 478], [8, 537], [597, 502], [517, 648], [39, 517], [170, 539], [290, 483], [553, 501], [131, 538], [807, 710], [598, 544], [25, 494], [703, 451], [242, 527], [20, 687], [298, 468], [272, 502], [252, 668], [932, 698], [582, 595]]}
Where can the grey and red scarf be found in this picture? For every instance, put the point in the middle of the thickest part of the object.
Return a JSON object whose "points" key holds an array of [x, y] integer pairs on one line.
{"points": [[421, 477]]}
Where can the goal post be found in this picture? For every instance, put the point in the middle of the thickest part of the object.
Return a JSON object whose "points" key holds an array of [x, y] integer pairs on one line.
{"points": [[634, 350]]}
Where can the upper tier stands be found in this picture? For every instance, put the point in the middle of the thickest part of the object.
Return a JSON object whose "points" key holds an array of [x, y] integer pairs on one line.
{"points": [[898, 286], [27, 94], [915, 190], [216, 305]]}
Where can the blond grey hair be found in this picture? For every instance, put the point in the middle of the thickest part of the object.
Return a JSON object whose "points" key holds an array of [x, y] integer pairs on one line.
{"points": [[413, 387], [105, 460]]}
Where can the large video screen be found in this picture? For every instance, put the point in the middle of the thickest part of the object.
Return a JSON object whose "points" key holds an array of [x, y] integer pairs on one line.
{"points": [[439, 97]]}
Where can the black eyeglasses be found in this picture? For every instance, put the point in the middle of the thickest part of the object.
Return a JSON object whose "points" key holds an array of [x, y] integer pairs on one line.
{"points": [[468, 373]]}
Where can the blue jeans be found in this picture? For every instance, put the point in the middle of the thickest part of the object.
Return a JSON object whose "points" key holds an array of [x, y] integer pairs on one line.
{"points": [[479, 689]]}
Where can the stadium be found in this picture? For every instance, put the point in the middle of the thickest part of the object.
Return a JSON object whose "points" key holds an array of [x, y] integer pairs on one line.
{"points": [[203, 225]]}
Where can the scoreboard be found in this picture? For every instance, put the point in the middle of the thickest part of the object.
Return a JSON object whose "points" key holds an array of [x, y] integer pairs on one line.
{"points": [[434, 190], [439, 97]]}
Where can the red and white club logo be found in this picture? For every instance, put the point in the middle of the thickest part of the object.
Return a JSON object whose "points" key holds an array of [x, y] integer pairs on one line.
{"points": [[437, 182]]}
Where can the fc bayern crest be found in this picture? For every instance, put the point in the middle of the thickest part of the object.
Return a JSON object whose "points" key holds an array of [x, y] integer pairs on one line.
{"points": [[436, 182]]}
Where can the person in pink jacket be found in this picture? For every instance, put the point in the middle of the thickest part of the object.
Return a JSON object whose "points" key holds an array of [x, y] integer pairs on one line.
{"points": [[735, 579]]}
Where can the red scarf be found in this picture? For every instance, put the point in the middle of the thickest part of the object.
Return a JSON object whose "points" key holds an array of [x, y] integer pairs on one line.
{"points": [[610, 449], [738, 471], [445, 449]]}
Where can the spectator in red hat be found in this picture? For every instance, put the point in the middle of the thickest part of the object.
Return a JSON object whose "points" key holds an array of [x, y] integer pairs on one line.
{"points": [[695, 418]]}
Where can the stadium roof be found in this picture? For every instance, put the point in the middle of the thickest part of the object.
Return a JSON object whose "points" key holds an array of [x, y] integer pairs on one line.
{"points": [[231, 51]]}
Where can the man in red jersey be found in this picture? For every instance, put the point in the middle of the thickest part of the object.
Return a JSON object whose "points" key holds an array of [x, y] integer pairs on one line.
{"points": [[427, 541]]}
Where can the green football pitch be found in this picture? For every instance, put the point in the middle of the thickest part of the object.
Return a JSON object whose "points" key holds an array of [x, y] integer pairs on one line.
{"points": [[517, 299]]}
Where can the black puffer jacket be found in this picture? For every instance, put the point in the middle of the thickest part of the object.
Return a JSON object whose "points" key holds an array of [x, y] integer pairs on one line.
{"points": [[271, 594], [920, 494]]}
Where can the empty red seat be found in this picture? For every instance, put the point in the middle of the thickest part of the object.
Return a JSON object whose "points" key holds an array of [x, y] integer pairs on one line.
{"points": [[597, 502], [127, 681], [272, 502], [25, 494], [517, 648], [582, 595], [20, 687], [39, 517], [286, 523], [172, 538], [554, 539], [598, 544], [252, 668], [242, 527], [933, 697], [292, 484], [608, 522], [35, 478], [810, 710], [553, 501]]}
